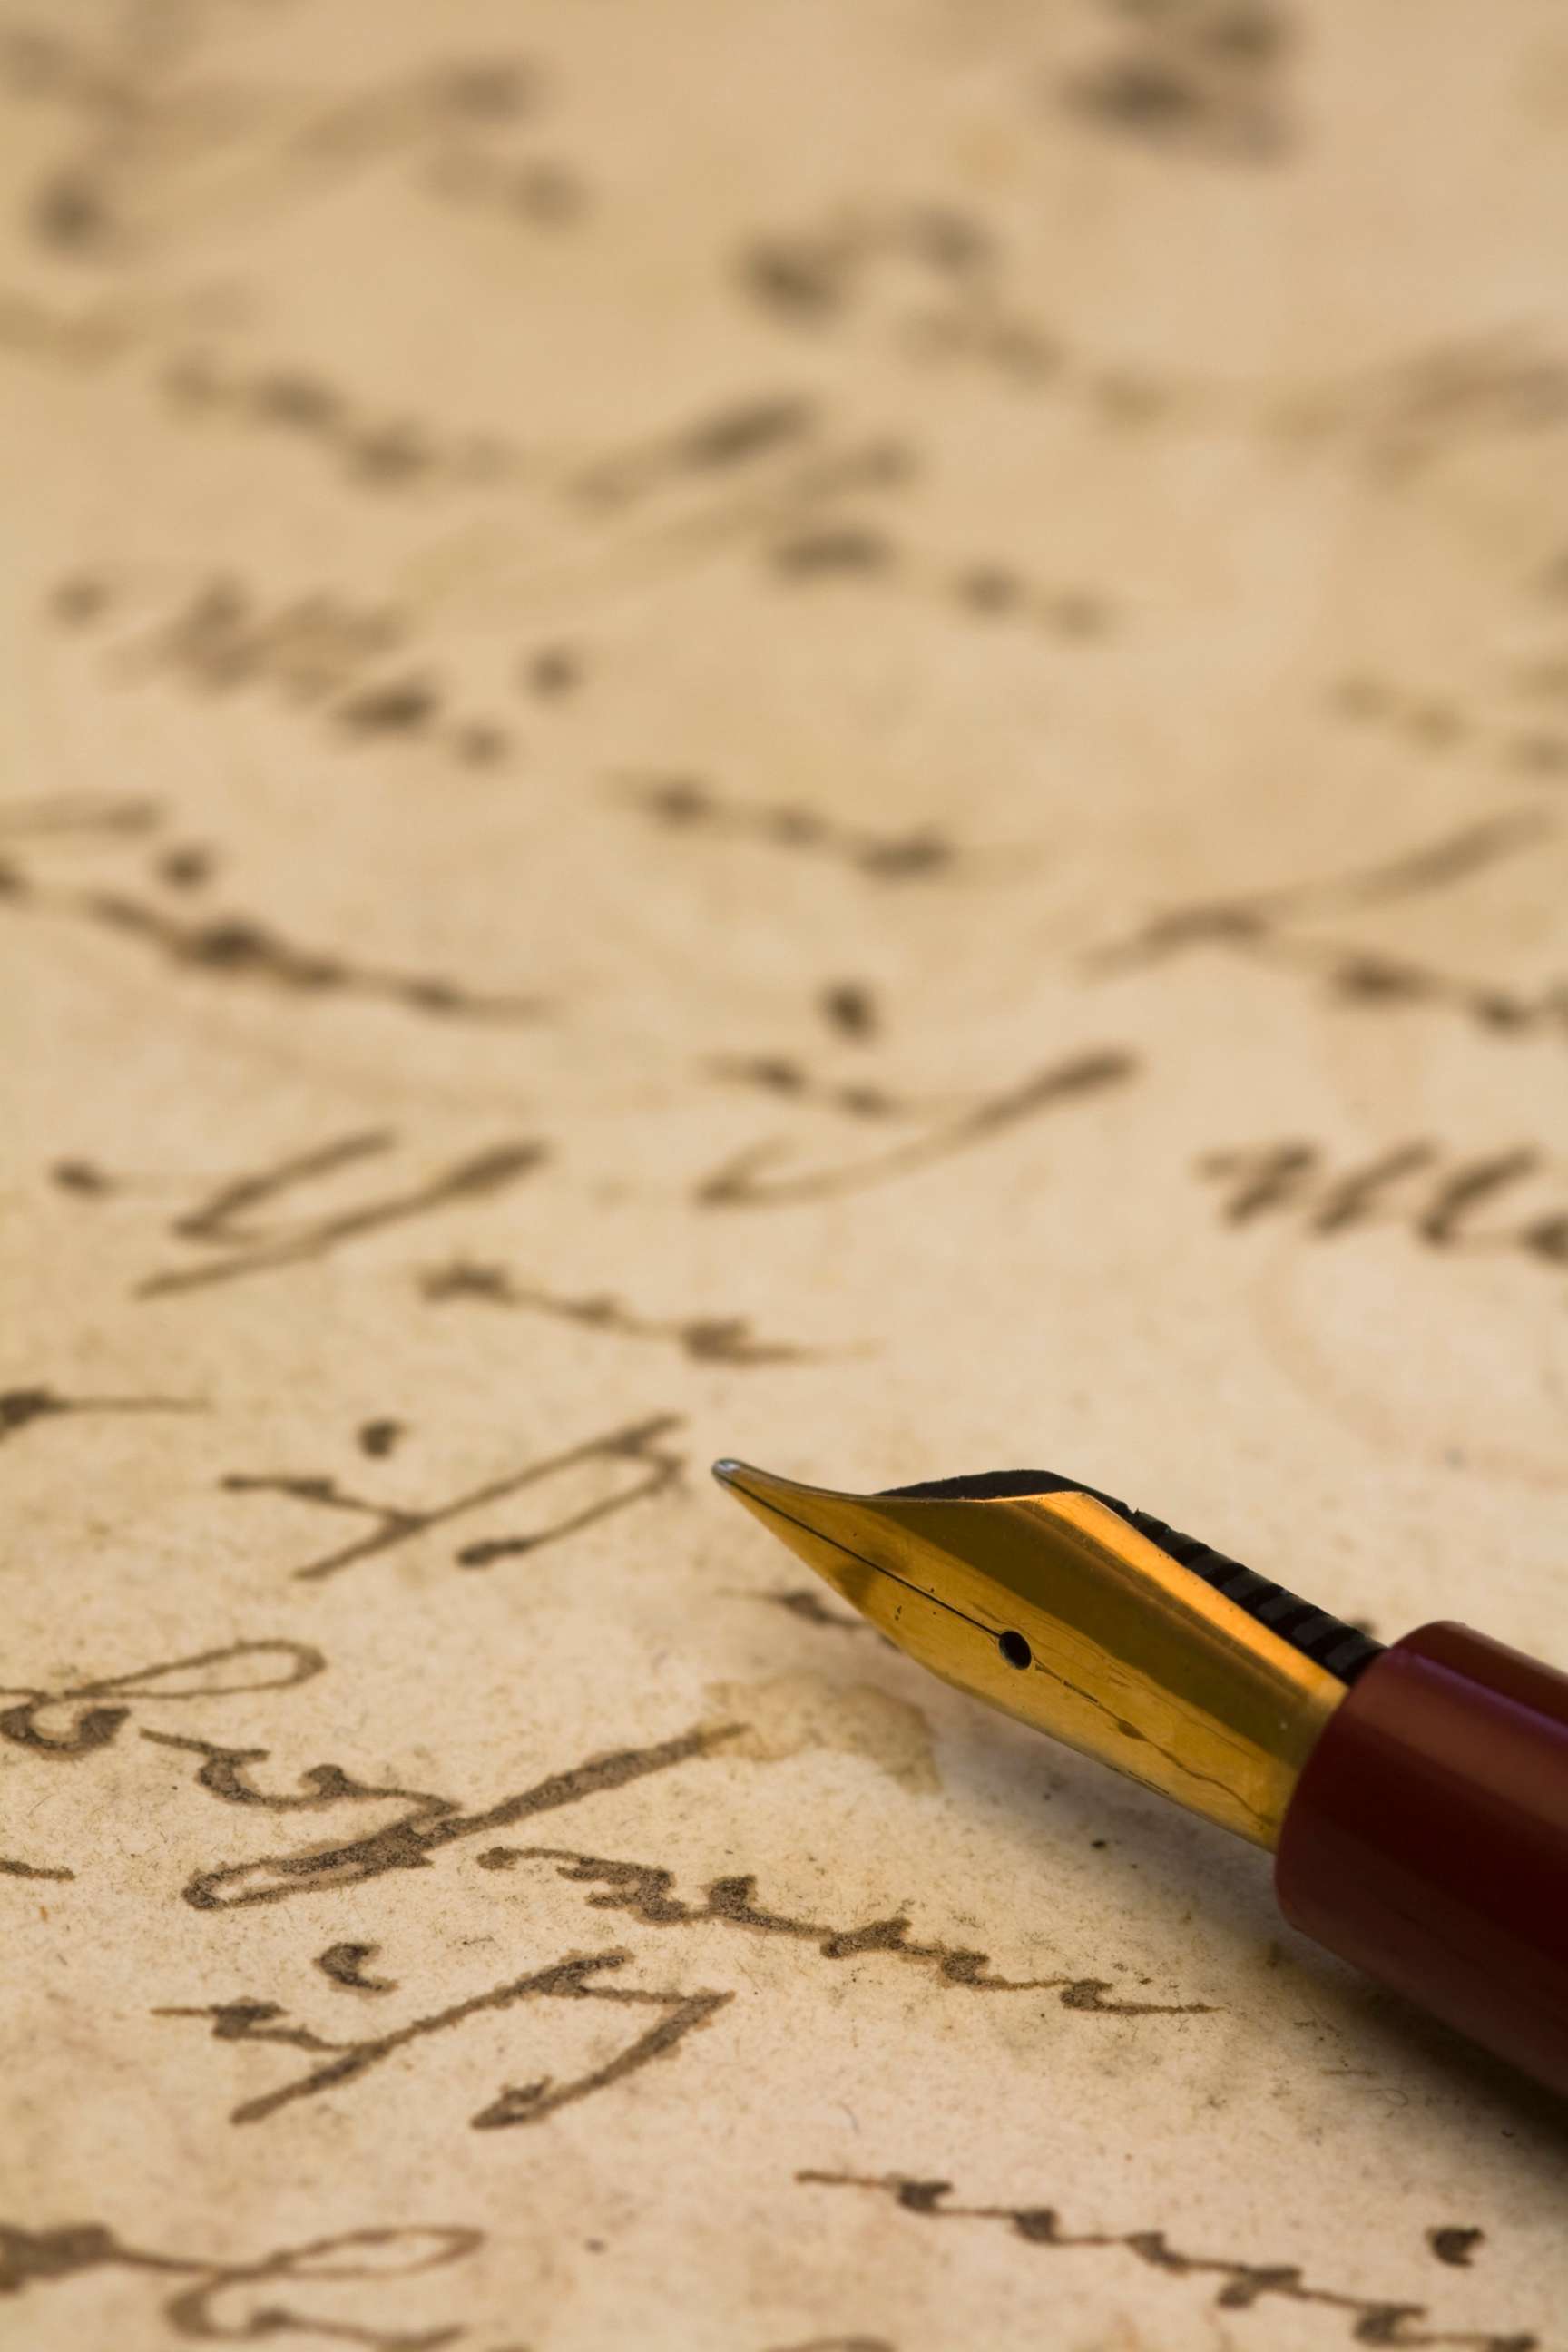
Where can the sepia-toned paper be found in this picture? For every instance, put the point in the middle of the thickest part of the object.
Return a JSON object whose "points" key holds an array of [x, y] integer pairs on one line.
{"points": [[830, 733]]}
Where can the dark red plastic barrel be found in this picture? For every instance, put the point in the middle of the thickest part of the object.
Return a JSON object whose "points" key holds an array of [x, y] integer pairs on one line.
{"points": [[1427, 1840]]}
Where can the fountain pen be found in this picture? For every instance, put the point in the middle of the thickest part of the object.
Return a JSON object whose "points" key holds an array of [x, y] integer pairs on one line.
{"points": [[1415, 1797]]}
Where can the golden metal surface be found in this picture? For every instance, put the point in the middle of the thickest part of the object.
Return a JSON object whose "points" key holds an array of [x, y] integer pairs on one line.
{"points": [[1121, 1652]]}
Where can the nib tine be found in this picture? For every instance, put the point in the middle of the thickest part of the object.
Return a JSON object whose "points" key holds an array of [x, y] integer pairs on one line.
{"points": [[738, 1477], [750, 1485], [820, 1526]]}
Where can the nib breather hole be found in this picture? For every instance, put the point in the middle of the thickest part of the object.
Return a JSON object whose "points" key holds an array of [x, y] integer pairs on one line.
{"points": [[1015, 1649]]}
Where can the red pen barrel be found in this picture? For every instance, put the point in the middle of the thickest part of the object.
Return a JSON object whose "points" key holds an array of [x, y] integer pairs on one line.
{"points": [[1427, 1840]]}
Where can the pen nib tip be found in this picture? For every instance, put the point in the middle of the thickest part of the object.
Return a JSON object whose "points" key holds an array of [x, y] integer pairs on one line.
{"points": [[753, 1486]]}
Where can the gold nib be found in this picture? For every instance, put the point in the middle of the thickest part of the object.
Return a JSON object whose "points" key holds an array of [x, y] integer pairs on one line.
{"points": [[1055, 1609]]}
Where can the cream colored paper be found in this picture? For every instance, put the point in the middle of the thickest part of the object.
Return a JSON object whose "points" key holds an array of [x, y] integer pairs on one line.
{"points": [[830, 733]]}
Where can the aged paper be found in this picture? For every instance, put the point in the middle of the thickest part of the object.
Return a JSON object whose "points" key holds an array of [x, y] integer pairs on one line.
{"points": [[830, 733]]}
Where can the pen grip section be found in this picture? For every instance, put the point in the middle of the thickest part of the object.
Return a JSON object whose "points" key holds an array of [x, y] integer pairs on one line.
{"points": [[1427, 1841]]}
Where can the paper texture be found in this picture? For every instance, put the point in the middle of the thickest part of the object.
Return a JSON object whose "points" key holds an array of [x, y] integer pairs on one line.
{"points": [[830, 734]]}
